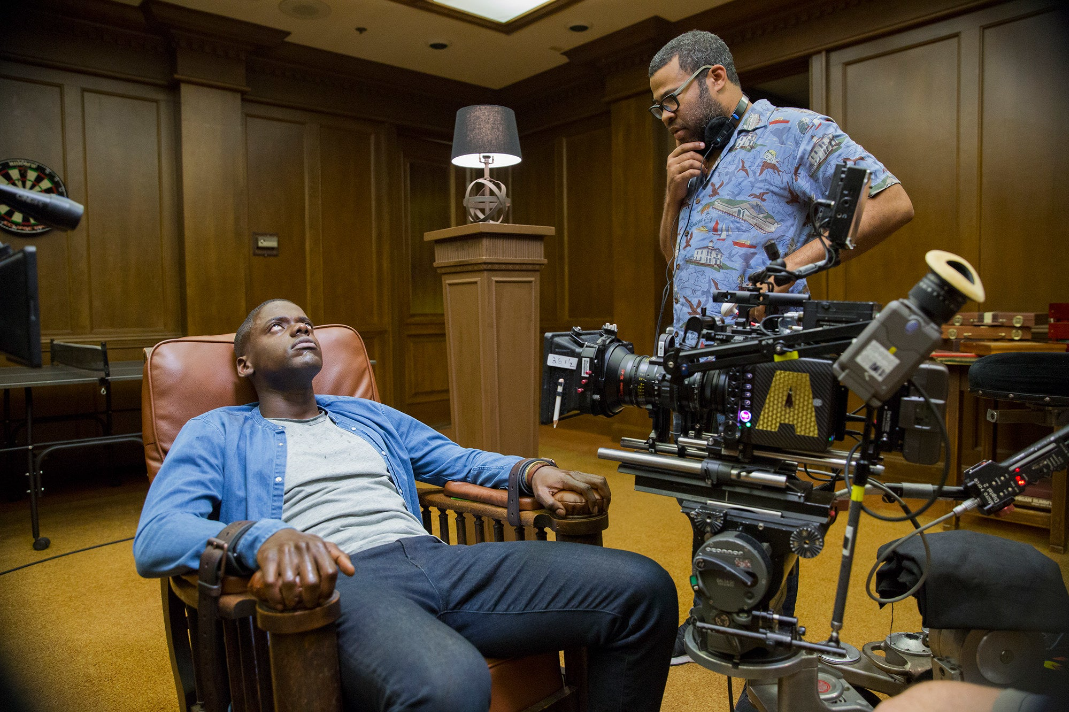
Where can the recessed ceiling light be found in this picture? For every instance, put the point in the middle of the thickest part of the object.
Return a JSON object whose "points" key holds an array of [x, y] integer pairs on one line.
{"points": [[438, 45], [579, 27], [497, 10], [305, 9]]}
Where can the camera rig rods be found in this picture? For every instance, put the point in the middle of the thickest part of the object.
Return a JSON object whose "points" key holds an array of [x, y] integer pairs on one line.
{"points": [[826, 340], [771, 638]]}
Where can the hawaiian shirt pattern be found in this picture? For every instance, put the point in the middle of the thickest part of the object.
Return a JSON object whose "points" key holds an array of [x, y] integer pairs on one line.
{"points": [[761, 188]]}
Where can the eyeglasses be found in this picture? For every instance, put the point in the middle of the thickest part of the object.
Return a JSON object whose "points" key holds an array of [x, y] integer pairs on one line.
{"points": [[670, 102]]}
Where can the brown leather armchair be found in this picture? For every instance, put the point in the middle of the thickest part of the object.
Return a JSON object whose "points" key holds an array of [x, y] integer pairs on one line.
{"points": [[266, 660]]}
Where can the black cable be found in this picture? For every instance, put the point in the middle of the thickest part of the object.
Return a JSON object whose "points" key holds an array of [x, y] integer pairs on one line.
{"points": [[946, 466], [880, 560], [668, 271], [60, 556], [824, 476], [731, 696], [846, 470]]}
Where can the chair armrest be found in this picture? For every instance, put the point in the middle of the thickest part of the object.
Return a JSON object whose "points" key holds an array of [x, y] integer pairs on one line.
{"points": [[584, 529], [486, 495], [235, 602]]}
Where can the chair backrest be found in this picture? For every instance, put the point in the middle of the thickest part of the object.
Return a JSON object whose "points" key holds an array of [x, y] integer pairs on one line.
{"points": [[186, 377]]}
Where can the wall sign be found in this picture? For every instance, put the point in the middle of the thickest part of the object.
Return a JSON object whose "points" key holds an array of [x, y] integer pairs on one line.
{"points": [[31, 175]]}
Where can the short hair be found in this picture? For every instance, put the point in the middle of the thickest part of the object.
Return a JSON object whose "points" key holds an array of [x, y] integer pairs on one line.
{"points": [[241, 337], [696, 49]]}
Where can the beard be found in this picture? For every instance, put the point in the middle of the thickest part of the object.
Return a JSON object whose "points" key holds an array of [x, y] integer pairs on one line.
{"points": [[709, 108], [705, 109]]}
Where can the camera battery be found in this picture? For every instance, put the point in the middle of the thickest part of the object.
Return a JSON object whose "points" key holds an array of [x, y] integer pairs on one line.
{"points": [[887, 352]]}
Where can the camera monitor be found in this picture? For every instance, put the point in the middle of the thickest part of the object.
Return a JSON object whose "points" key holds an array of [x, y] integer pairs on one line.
{"points": [[20, 319]]}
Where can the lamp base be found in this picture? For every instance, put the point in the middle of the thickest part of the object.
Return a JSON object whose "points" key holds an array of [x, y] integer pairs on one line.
{"points": [[485, 200]]}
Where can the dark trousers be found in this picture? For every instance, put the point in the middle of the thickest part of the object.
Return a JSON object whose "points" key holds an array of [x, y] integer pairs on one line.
{"points": [[419, 617]]}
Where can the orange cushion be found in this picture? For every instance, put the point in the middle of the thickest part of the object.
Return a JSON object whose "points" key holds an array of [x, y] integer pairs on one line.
{"points": [[518, 683], [186, 377]]}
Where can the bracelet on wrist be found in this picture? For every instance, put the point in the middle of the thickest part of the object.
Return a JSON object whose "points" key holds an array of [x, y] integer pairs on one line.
{"points": [[533, 464]]}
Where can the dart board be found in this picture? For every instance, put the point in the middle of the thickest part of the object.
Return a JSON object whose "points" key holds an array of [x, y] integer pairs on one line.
{"points": [[31, 175]]}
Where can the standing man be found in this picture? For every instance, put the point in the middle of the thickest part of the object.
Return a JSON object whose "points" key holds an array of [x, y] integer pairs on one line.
{"points": [[724, 202], [758, 187]]}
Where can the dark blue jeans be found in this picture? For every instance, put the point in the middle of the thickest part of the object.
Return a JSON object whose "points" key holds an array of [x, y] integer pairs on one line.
{"points": [[419, 617]]}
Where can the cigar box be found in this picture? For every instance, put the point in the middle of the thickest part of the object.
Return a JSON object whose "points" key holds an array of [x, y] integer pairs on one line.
{"points": [[986, 348], [1013, 319], [986, 333]]}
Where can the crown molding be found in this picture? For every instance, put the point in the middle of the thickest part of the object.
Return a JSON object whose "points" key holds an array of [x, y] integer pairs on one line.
{"points": [[214, 32], [94, 20], [767, 33], [625, 48], [765, 37], [305, 78], [316, 65]]}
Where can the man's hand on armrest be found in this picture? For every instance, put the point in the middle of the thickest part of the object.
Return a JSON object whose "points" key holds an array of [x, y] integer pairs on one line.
{"points": [[297, 568], [549, 482]]}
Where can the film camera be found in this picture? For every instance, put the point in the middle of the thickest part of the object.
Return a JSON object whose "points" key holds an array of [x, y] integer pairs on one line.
{"points": [[738, 409], [731, 459]]}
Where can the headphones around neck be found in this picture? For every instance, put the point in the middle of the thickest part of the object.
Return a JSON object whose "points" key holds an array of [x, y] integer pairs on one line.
{"points": [[720, 129]]}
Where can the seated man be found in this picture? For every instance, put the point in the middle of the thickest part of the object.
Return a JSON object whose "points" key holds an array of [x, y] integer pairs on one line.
{"points": [[330, 482]]}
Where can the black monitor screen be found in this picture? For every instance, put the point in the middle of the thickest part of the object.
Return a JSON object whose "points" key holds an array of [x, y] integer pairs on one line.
{"points": [[20, 318]]}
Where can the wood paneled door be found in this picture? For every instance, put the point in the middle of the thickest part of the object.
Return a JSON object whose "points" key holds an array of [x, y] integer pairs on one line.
{"points": [[116, 277], [312, 182], [429, 201], [968, 113]]}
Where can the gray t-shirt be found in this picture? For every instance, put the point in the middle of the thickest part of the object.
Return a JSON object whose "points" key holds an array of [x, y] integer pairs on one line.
{"points": [[338, 487]]}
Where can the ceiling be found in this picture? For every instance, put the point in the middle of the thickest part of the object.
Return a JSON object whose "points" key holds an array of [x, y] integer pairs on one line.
{"points": [[401, 35]]}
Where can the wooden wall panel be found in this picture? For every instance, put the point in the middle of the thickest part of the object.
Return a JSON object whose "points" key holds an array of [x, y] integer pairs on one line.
{"points": [[277, 178], [33, 129], [966, 112], [565, 181], [588, 243], [1023, 233], [429, 189], [216, 241], [125, 227], [117, 276], [426, 373], [353, 280], [320, 182], [534, 202], [902, 106], [428, 209]]}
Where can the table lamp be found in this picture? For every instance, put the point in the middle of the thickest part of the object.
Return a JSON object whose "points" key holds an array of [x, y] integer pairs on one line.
{"points": [[485, 135]]}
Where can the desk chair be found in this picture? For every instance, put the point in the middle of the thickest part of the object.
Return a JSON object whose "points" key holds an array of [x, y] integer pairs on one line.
{"points": [[266, 660], [1039, 382]]}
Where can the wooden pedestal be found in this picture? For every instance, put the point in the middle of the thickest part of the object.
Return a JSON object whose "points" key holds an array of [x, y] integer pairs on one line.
{"points": [[490, 275]]}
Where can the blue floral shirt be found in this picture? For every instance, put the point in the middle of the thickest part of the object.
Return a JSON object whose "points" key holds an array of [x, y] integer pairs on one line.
{"points": [[761, 188]]}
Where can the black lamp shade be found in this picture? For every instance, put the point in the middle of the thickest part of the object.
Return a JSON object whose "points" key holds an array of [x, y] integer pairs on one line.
{"points": [[486, 130]]}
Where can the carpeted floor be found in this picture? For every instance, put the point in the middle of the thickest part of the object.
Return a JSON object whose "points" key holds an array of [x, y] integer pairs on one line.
{"points": [[84, 632]]}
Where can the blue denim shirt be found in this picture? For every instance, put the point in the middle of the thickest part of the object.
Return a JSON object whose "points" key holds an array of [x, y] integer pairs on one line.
{"points": [[230, 465]]}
